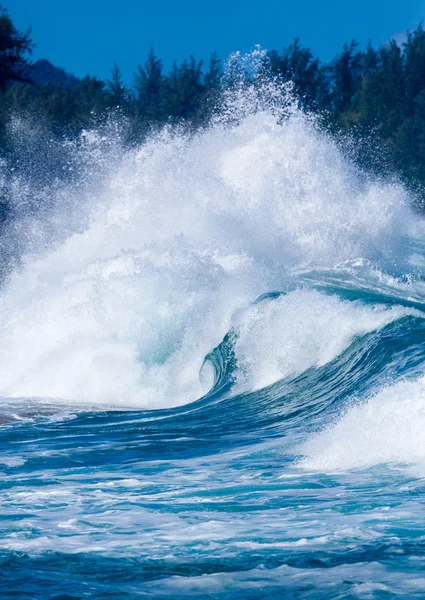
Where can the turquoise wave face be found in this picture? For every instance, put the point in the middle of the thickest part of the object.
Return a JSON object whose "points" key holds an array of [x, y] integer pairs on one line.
{"points": [[212, 369]]}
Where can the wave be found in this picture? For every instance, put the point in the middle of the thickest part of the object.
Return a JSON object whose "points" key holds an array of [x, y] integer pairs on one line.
{"points": [[169, 245]]}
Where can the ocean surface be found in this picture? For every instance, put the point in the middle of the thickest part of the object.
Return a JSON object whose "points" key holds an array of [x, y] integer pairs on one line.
{"points": [[212, 366]]}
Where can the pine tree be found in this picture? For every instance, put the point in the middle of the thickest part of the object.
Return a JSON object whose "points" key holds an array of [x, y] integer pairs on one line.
{"points": [[298, 65], [414, 55], [370, 60], [116, 88], [213, 76], [90, 101], [15, 47], [346, 70], [149, 87], [382, 98], [184, 89]]}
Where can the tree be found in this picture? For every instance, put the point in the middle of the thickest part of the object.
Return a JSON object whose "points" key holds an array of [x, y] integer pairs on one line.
{"points": [[414, 55], [149, 87], [298, 65], [370, 60], [116, 88], [213, 76], [346, 70], [183, 89], [382, 98], [15, 47], [90, 101]]}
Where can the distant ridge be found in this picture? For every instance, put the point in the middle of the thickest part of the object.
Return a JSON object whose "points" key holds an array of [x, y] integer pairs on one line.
{"points": [[44, 73]]}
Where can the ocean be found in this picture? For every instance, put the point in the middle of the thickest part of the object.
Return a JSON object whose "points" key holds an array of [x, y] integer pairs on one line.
{"points": [[212, 367]]}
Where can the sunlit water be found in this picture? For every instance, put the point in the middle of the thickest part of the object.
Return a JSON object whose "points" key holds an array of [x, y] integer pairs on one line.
{"points": [[212, 370]]}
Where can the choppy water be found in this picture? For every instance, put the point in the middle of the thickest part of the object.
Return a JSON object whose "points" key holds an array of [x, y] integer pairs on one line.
{"points": [[212, 370]]}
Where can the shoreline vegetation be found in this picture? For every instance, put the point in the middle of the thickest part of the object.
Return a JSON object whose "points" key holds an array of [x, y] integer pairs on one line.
{"points": [[376, 97]]}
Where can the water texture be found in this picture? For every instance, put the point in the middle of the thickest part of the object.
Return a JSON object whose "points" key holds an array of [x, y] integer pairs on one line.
{"points": [[213, 369]]}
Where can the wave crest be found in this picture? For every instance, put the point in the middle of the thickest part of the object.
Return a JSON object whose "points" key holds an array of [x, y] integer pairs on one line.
{"points": [[167, 242]]}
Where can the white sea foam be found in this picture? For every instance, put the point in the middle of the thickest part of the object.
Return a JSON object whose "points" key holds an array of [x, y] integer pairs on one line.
{"points": [[387, 429], [305, 328], [172, 240]]}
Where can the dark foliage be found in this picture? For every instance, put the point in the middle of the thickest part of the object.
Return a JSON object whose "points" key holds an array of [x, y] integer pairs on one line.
{"points": [[361, 91], [14, 48]]}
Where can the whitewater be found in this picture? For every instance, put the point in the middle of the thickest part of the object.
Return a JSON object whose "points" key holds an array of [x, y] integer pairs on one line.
{"points": [[212, 365]]}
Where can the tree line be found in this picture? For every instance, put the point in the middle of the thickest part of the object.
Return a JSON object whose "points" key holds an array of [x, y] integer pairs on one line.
{"points": [[361, 91]]}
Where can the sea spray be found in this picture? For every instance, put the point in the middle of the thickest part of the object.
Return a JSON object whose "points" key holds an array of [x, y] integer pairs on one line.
{"points": [[145, 258]]}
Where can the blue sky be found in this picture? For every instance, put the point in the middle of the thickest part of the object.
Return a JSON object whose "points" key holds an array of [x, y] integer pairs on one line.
{"points": [[86, 36]]}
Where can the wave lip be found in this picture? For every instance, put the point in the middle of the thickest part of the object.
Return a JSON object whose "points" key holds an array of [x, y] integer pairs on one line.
{"points": [[285, 336]]}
